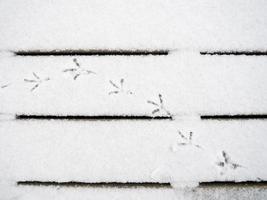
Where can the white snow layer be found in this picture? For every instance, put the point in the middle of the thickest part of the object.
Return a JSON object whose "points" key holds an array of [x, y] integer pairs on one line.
{"points": [[84, 193], [98, 193], [190, 84], [133, 151], [183, 152], [150, 24]]}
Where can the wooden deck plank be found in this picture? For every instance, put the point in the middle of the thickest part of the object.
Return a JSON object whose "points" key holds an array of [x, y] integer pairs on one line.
{"points": [[190, 84], [132, 151], [215, 25]]}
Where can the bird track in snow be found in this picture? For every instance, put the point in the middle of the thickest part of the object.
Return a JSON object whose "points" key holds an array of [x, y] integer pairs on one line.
{"points": [[78, 70], [186, 141], [159, 107], [119, 88], [37, 81], [4, 86], [226, 163]]}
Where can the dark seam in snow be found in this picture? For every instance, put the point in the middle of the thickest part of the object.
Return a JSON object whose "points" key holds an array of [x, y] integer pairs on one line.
{"points": [[235, 53], [96, 184], [233, 117], [140, 184], [96, 52], [97, 117], [233, 184], [93, 53]]}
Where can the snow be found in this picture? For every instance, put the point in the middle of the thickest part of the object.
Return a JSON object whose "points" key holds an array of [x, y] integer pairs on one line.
{"points": [[221, 85], [222, 193], [183, 85], [104, 24], [110, 193], [132, 151], [87, 193]]}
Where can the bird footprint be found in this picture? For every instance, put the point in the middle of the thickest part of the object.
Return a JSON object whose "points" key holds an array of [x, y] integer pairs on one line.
{"points": [[37, 81], [78, 70]]}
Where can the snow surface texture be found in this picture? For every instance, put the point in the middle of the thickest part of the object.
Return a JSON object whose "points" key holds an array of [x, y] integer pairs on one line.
{"points": [[183, 85], [181, 152], [133, 151], [119, 24], [115, 85], [84, 193]]}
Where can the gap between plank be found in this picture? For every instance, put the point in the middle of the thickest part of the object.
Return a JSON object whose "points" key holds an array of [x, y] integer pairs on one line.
{"points": [[233, 117], [234, 184], [140, 184], [119, 52], [92, 118], [95, 185], [234, 53], [134, 117], [93, 52]]}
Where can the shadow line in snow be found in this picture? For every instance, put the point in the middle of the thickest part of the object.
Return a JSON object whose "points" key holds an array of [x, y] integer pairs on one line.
{"points": [[234, 184], [92, 118], [96, 185], [233, 117], [234, 53], [93, 52]]}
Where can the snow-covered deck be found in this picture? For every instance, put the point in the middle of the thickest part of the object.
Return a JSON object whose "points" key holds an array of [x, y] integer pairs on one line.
{"points": [[133, 127]]}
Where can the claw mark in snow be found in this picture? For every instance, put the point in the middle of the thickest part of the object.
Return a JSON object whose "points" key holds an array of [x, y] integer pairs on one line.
{"points": [[78, 70], [186, 140], [159, 107], [227, 163], [4, 86], [119, 88], [36, 81]]}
